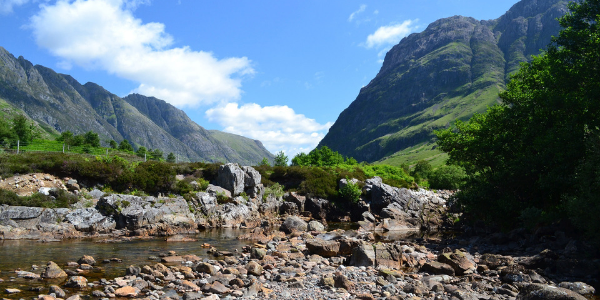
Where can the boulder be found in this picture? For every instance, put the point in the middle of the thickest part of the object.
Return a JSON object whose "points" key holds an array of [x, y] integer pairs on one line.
{"points": [[315, 226], [459, 261], [86, 259], [288, 208], [323, 248], [493, 261], [90, 220], [216, 190], [437, 268], [581, 288], [232, 178], [78, 282], [364, 255], [537, 291], [207, 202], [293, 223], [295, 198], [127, 291], [254, 268], [319, 208], [252, 177], [206, 268], [52, 270]]}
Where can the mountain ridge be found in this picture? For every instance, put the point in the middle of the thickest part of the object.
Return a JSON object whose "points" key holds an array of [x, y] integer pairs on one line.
{"points": [[452, 69], [58, 102]]}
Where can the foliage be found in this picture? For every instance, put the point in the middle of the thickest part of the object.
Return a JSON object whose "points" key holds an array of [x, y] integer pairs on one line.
{"points": [[422, 169], [520, 154], [264, 162], [321, 157], [141, 151], [156, 154], [125, 146], [113, 144], [281, 160], [171, 158], [447, 178], [350, 192], [22, 128], [66, 137], [91, 138], [63, 199], [275, 190]]}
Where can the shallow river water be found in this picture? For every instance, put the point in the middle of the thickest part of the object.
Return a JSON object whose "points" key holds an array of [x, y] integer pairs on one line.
{"points": [[24, 254]]}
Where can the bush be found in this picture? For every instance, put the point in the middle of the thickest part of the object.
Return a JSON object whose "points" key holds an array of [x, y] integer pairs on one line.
{"points": [[447, 178], [275, 190], [350, 192]]}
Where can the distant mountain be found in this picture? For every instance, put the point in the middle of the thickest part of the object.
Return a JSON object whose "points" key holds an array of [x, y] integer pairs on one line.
{"points": [[57, 102], [454, 68]]}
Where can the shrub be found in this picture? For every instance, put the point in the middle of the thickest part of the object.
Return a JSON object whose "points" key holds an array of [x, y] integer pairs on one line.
{"points": [[350, 192], [447, 178], [275, 190]]}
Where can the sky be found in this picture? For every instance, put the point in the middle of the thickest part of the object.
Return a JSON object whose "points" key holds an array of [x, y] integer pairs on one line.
{"points": [[277, 71]]}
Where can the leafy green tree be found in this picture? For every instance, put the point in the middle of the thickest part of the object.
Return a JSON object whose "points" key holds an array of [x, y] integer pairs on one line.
{"points": [[113, 144], [264, 162], [422, 169], [156, 154], [78, 140], [281, 160], [301, 159], [22, 129], [141, 151], [447, 178], [522, 154], [92, 139], [66, 137], [125, 146], [6, 133], [171, 158]]}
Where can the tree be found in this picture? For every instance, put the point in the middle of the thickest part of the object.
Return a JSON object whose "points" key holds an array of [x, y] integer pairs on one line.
{"points": [[125, 146], [78, 140], [156, 154], [92, 139], [141, 151], [281, 160], [422, 169], [264, 162], [113, 144], [22, 129], [6, 133], [521, 155], [171, 158], [66, 137]]}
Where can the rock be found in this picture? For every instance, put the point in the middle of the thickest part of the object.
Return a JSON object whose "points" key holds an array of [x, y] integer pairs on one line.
{"points": [[258, 253], [232, 178], [293, 223], [315, 226], [458, 261], [364, 255], [536, 291], [52, 270], [206, 268], [56, 290], [189, 286], [90, 220], [12, 291], [76, 282], [96, 193], [127, 291], [323, 248], [74, 297], [171, 259], [368, 217], [319, 208], [207, 202], [342, 281], [254, 268], [493, 261], [296, 199], [133, 270], [437, 268], [579, 287], [252, 177], [193, 296], [216, 287], [288, 208], [327, 280], [86, 259]]}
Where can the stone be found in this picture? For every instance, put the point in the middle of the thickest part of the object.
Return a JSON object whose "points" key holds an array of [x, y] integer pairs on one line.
{"points": [[206, 268], [12, 291], [493, 261], [581, 288], [342, 281], [74, 297], [315, 226], [127, 291], [323, 248], [232, 178], [254, 268], [437, 268], [86, 259], [258, 253], [459, 261], [56, 290], [189, 286], [296, 199], [171, 259], [133, 270], [52, 270], [363, 255], [288, 208], [293, 223], [319, 208], [327, 280], [537, 291], [216, 287], [76, 282]]}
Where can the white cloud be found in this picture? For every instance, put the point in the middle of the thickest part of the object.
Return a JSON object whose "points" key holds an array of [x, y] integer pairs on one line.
{"points": [[6, 6], [104, 34], [354, 14], [391, 34], [277, 127]]}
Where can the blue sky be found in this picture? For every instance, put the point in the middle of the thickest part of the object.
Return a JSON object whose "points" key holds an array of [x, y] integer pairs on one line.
{"points": [[277, 71]]}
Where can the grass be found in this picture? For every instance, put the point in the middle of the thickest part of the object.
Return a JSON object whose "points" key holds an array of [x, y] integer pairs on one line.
{"points": [[411, 155]]}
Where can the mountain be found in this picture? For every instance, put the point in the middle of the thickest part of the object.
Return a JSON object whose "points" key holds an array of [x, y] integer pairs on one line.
{"points": [[57, 103], [454, 68]]}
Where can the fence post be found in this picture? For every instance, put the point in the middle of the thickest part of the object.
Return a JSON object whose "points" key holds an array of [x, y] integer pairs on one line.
{"points": [[18, 146], [107, 152], [63, 148], [144, 157]]}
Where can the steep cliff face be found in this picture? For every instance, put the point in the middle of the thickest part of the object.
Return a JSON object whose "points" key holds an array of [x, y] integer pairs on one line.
{"points": [[452, 69], [59, 103]]}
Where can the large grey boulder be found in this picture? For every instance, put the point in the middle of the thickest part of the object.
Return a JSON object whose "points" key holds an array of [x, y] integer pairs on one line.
{"points": [[133, 212], [207, 202], [295, 198], [252, 177], [90, 220], [364, 255], [319, 208], [293, 223], [232, 178], [537, 291]]}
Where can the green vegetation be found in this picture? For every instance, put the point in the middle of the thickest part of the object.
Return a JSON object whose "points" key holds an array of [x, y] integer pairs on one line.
{"points": [[321, 157], [350, 192], [535, 155], [63, 199], [281, 160]]}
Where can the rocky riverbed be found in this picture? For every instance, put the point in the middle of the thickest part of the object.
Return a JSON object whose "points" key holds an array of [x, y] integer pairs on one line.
{"points": [[293, 255]]}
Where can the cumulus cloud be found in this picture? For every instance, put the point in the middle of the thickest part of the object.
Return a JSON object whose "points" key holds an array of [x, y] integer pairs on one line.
{"points": [[6, 6], [277, 127], [104, 34], [391, 34], [354, 14]]}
